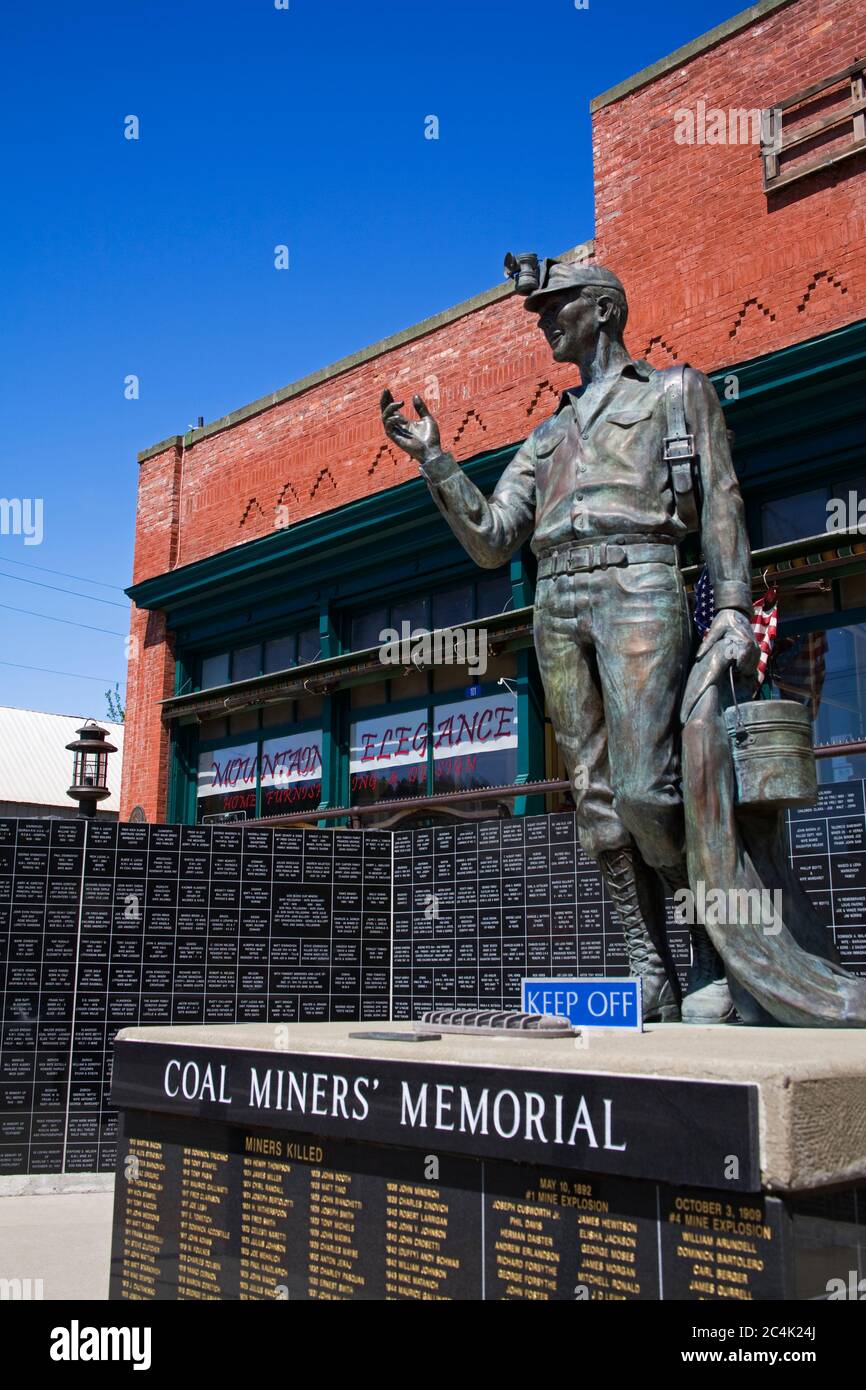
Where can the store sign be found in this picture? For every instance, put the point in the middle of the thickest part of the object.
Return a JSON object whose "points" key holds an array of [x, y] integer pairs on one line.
{"points": [[291, 772], [396, 740], [228, 770], [292, 758], [232, 773], [488, 725]]}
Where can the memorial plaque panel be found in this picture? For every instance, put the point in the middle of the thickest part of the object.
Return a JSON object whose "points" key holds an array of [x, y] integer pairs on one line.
{"points": [[206, 1211], [828, 852], [247, 1214]]}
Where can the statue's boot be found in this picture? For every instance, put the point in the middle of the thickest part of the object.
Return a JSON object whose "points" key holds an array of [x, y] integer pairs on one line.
{"points": [[707, 998], [638, 905]]}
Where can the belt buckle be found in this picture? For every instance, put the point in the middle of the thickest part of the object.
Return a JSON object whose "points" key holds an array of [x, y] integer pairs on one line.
{"points": [[582, 558], [590, 555], [679, 447]]}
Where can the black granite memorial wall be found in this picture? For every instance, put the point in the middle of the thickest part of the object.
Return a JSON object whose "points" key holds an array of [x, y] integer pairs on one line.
{"points": [[110, 925], [206, 1211], [479, 906], [828, 850], [233, 924]]}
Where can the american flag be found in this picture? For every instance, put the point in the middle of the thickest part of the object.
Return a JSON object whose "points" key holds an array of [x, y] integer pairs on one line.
{"points": [[765, 621], [765, 618], [705, 603]]}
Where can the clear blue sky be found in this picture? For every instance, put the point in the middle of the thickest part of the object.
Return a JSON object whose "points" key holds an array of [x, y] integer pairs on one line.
{"points": [[258, 126]]}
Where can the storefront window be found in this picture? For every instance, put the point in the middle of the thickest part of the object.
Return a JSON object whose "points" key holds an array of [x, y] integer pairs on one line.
{"points": [[826, 671], [215, 670], [790, 518], [291, 772], [388, 757], [289, 767], [227, 781], [806, 513], [246, 663], [475, 743], [416, 613], [279, 654], [454, 607], [309, 645], [366, 628], [494, 595]]}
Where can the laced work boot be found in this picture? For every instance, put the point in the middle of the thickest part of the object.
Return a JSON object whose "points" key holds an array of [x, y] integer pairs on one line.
{"points": [[707, 998], [641, 913]]}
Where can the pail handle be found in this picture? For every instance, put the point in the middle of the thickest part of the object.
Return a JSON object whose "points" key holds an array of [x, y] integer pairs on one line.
{"points": [[742, 733]]}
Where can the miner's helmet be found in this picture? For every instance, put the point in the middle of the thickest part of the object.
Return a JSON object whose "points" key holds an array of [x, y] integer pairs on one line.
{"points": [[538, 281]]}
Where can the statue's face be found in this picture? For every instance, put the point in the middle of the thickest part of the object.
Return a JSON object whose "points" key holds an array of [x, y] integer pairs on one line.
{"points": [[570, 323]]}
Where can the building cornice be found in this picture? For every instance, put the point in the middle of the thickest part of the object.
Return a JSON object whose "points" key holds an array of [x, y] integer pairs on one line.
{"points": [[687, 52]]}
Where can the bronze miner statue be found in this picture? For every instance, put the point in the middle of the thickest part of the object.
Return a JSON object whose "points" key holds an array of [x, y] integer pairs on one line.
{"points": [[607, 488]]}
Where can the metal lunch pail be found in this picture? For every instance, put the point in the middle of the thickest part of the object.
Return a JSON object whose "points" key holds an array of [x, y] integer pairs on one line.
{"points": [[771, 746]]}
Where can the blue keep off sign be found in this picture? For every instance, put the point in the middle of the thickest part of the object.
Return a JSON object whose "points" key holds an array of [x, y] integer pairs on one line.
{"points": [[586, 1003]]}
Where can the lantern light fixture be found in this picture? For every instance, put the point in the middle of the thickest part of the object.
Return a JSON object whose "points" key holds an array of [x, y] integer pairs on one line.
{"points": [[90, 767]]}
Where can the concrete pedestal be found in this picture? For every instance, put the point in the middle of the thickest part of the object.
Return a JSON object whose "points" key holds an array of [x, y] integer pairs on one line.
{"points": [[317, 1161]]}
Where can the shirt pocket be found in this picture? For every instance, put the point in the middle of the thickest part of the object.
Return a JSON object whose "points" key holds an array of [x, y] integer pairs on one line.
{"points": [[545, 451], [551, 441], [626, 418], [630, 431]]}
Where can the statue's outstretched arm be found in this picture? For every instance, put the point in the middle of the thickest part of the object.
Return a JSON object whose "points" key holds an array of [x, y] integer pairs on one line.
{"points": [[489, 529]]}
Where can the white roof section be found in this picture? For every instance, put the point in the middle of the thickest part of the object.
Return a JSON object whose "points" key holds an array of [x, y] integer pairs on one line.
{"points": [[35, 765]]}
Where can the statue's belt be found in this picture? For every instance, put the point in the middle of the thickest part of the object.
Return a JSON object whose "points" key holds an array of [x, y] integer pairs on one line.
{"points": [[594, 555]]}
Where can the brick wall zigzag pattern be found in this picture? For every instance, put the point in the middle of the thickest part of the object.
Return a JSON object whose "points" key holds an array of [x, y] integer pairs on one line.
{"points": [[288, 493], [383, 453], [324, 476], [287, 505], [742, 314], [543, 390], [825, 278], [253, 505], [658, 342], [471, 414]]}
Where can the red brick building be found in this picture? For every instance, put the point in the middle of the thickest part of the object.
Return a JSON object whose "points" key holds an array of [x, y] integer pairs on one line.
{"points": [[274, 544]]}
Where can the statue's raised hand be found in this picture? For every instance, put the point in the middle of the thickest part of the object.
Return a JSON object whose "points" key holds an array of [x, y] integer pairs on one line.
{"points": [[418, 438]]}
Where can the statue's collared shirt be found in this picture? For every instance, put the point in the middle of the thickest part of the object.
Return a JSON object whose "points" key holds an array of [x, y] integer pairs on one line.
{"points": [[596, 468], [599, 469]]}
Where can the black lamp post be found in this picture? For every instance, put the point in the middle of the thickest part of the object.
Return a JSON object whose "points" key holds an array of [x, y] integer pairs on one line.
{"points": [[90, 768]]}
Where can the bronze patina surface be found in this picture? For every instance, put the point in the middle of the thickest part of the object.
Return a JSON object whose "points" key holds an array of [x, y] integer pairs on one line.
{"points": [[594, 490]]}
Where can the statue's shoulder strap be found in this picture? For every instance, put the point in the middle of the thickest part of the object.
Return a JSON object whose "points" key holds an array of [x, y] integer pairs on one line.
{"points": [[679, 448]]}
